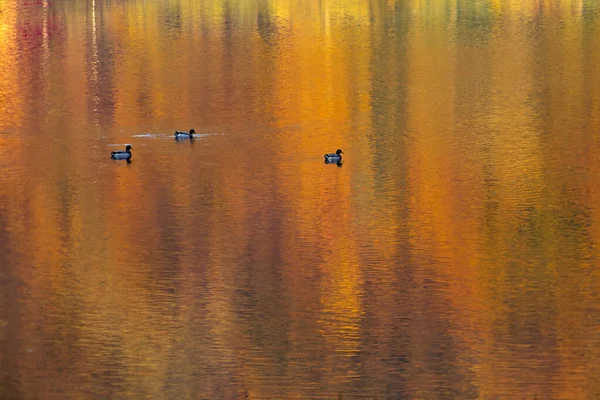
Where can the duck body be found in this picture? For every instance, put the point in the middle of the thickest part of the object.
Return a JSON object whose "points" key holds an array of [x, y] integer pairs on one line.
{"points": [[121, 154], [334, 157], [184, 135]]}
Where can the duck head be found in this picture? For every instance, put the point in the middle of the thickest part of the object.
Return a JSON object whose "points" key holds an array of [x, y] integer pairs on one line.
{"points": [[128, 147], [192, 131], [339, 151]]}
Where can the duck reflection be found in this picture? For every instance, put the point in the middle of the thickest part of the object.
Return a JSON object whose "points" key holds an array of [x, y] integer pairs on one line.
{"points": [[337, 162]]}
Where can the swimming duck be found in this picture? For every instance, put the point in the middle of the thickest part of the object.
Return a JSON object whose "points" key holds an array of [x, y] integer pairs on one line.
{"points": [[184, 135], [334, 157], [121, 154]]}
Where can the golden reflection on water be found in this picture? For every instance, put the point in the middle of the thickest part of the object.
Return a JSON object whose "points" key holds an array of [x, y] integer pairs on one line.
{"points": [[452, 254]]}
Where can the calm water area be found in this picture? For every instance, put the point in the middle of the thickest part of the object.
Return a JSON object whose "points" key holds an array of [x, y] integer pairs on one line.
{"points": [[452, 255]]}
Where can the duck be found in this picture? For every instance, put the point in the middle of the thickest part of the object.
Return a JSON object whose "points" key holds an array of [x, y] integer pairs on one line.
{"points": [[334, 157], [121, 154], [184, 135]]}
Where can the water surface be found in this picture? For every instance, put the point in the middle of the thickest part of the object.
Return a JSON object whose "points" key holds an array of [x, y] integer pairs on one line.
{"points": [[453, 254]]}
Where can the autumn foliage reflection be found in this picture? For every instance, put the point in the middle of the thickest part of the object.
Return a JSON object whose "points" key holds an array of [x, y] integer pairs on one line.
{"points": [[454, 254]]}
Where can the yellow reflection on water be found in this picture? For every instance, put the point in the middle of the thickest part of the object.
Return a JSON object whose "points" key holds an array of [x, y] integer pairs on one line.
{"points": [[10, 113]]}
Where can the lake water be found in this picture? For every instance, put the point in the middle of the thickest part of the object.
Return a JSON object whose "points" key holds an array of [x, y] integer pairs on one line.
{"points": [[452, 255]]}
